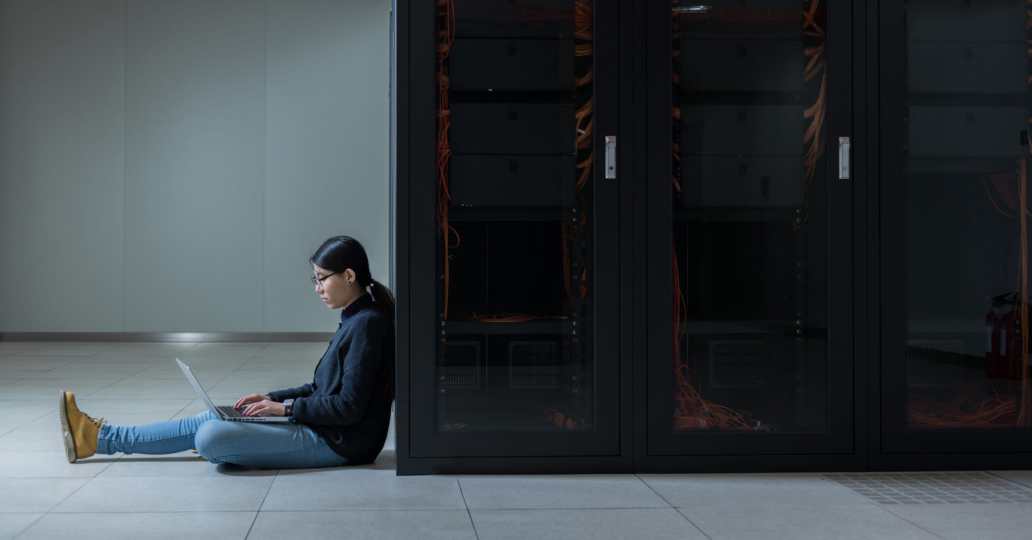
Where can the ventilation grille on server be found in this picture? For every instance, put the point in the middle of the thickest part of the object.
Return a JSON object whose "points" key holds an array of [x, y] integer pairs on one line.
{"points": [[460, 368]]}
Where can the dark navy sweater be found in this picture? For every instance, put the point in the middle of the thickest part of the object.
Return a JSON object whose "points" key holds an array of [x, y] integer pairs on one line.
{"points": [[348, 402]]}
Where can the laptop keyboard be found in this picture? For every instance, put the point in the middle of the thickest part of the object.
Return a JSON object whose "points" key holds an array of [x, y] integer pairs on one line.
{"points": [[229, 411]]}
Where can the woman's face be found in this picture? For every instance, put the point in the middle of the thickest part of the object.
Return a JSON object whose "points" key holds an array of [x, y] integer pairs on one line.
{"points": [[337, 290]]}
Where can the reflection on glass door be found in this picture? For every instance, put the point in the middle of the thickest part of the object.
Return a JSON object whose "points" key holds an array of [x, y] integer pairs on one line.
{"points": [[965, 247], [750, 216]]}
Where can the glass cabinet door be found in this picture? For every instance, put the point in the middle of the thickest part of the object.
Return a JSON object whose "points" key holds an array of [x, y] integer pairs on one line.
{"points": [[521, 359], [749, 271], [955, 262]]}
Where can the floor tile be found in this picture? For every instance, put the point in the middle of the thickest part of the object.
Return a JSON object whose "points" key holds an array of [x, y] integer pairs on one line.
{"points": [[800, 521], [143, 526], [44, 433], [204, 372], [149, 349], [294, 350], [1021, 477], [969, 520], [34, 389], [365, 525], [689, 489], [45, 464], [35, 494], [195, 407], [33, 436], [227, 350], [139, 387], [39, 362], [354, 487], [179, 465], [12, 347], [387, 460], [164, 494], [11, 372], [17, 414], [584, 524], [85, 370], [61, 348], [235, 384], [12, 524], [20, 414], [558, 491], [100, 405]]}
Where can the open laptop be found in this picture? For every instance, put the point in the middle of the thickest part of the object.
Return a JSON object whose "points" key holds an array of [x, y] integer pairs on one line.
{"points": [[227, 412]]}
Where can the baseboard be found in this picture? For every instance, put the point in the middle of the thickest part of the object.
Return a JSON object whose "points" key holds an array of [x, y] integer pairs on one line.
{"points": [[168, 337]]}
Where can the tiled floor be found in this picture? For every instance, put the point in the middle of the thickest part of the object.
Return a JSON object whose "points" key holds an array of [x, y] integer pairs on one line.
{"points": [[182, 496]]}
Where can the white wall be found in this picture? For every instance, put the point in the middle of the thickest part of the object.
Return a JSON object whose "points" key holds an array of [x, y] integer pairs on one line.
{"points": [[169, 166]]}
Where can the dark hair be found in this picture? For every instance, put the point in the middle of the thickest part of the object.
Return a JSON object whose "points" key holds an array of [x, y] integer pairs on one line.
{"points": [[339, 253]]}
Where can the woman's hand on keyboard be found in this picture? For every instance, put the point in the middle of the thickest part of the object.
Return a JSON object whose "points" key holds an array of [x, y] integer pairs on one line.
{"points": [[265, 408], [250, 398]]}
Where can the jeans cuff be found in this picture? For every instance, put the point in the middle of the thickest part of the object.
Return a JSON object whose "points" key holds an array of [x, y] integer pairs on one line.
{"points": [[103, 443]]}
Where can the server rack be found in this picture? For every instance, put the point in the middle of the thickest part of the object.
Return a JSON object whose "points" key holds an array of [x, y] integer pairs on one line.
{"points": [[733, 299]]}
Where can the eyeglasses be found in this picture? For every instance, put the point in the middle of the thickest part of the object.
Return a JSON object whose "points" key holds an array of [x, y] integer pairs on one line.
{"points": [[320, 279]]}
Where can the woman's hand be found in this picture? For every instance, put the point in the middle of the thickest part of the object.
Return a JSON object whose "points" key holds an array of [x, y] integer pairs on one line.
{"points": [[265, 407], [250, 398]]}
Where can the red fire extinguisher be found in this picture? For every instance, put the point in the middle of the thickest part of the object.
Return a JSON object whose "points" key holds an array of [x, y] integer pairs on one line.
{"points": [[1003, 329]]}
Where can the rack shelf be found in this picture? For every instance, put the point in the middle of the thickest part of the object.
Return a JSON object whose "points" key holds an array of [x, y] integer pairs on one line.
{"points": [[736, 214], [739, 97], [479, 214], [536, 327], [968, 99], [786, 328]]}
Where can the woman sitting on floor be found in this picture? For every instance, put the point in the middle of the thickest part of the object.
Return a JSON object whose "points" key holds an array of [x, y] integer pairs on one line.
{"points": [[340, 418]]}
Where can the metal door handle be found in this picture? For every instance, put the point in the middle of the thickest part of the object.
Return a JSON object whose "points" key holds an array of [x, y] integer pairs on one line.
{"points": [[843, 158], [610, 157]]}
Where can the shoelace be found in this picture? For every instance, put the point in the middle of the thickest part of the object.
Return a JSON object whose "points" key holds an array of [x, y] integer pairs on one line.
{"points": [[97, 422]]}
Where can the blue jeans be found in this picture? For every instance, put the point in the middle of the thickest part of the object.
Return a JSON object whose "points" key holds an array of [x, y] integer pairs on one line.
{"points": [[262, 446]]}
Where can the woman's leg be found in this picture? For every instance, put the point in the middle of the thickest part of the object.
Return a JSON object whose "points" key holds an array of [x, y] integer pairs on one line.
{"points": [[265, 446], [157, 438]]}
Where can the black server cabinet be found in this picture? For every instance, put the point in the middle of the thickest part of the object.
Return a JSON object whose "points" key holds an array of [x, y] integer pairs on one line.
{"points": [[953, 250], [734, 299], [693, 314], [748, 238], [508, 251]]}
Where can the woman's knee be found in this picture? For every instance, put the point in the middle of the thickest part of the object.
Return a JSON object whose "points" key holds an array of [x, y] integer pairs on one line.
{"points": [[210, 439]]}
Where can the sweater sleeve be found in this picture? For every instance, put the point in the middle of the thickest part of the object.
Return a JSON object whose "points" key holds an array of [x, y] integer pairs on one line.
{"points": [[358, 380], [287, 393]]}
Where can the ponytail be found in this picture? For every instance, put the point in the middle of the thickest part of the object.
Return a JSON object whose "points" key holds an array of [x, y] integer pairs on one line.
{"points": [[382, 297]]}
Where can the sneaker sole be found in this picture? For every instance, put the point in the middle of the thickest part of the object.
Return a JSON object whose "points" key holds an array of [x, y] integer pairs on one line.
{"points": [[66, 433]]}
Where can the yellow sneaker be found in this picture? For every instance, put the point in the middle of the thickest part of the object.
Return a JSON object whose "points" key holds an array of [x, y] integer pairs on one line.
{"points": [[78, 429]]}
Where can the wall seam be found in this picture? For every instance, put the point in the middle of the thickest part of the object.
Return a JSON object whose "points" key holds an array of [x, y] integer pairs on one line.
{"points": [[125, 156], [265, 157]]}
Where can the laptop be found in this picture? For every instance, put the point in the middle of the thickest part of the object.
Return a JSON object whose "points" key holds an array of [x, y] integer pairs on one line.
{"points": [[227, 412]]}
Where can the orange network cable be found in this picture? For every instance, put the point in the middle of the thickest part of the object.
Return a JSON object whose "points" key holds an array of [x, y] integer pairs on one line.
{"points": [[446, 39], [691, 411], [583, 146], [584, 150], [993, 412], [815, 65]]}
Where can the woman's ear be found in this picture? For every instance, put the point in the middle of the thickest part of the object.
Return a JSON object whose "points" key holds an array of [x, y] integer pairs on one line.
{"points": [[349, 275]]}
